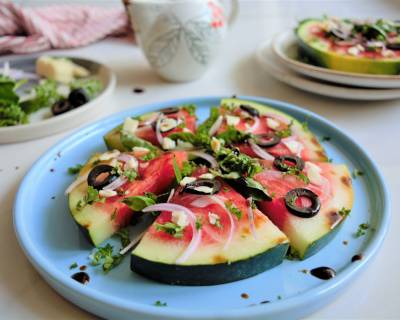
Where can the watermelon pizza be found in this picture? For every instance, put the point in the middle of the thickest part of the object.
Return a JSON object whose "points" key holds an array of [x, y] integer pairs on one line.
{"points": [[224, 203]]}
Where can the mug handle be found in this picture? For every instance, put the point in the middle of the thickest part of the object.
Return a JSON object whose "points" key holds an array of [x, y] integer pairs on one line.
{"points": [[234, 11]]}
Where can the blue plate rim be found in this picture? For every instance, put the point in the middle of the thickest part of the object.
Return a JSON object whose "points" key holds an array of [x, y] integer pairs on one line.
{"points": [[325, 288]]}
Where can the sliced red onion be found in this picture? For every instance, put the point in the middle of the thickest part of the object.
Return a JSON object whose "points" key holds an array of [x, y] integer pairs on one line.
{"points": [[150, 121], [17, 74], [205, 156], [260, 151], [250, 215], [217, 124], [255, 124], [278, 117], [158, 132], [196, 238], [219, 202], [171, 194], [119, 182], [76, 183]]}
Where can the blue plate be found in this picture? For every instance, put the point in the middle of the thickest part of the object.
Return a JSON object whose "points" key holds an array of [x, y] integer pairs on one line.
{"points": [[52, 242]]}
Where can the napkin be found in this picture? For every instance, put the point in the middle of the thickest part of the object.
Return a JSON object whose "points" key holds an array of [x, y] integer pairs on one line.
{"points": [[31, 29]]}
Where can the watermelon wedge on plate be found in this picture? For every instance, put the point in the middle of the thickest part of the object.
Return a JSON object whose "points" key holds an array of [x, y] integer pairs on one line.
{"points": [[310, 201], [151, 130], [262, 132], [207, 234], [95, 197]]}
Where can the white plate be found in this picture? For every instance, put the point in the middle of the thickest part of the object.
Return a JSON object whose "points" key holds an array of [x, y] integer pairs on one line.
{"points": [[41, 124], [285, 47], [274, 67]]}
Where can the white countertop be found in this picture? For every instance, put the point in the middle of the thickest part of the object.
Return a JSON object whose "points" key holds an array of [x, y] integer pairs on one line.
{"points": [[374, 125]]}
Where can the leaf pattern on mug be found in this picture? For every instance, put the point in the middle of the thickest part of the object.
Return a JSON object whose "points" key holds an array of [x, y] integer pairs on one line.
{"points": [[203, 29], [196, 44], [163, 48]]}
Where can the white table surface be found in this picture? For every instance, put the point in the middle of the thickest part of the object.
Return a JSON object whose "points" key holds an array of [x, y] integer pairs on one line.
{"points": [[374, 125]]}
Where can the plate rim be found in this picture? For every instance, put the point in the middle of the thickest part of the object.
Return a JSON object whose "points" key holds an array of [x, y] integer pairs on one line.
{"points": [[324, 289], [279, 53], [53, 121]]}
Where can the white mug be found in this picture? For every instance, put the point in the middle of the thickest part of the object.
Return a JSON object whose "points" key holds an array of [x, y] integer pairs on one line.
{"points": [[180, 38]]}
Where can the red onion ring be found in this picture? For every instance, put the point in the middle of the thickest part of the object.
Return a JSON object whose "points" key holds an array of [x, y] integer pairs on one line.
{"points": [[216, 125], [205, 156], [259, 151]]}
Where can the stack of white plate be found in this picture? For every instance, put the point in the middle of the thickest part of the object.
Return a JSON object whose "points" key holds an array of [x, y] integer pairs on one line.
{"points": [[280, 59]]}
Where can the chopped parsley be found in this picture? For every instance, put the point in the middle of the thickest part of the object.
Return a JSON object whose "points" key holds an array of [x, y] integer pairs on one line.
{"points": [[104, 256], [187, 169], [92, 196], [344, 212], [91, 86], [305, 126], [190, 108], [130, 174], [232, 135], [138, 203], [123, 234], [356, 173], [171, 228], [233, 209], [158, 303], [284, 133], [199, 223], [292, 170], [73, 266], [76, 169], [362, 229], [231, 160]]}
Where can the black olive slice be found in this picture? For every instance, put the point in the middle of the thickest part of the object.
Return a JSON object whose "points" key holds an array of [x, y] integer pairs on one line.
{"points": [[393, 46], [281, 165], [203, 186], [60, 107], [302, 212], [78, 97], [267, 139], [250, 110], [169, 110], [100, 176]]}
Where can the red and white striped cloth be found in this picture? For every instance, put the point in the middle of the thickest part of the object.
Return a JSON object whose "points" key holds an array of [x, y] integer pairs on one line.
{"points": [[31, 29]]}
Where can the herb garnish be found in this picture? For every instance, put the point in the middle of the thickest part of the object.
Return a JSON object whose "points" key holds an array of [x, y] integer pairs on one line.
{"points": [[92, 196], [284, 133], [361, 231], [294, 171], [123, 234], [356, 173], [233, 209], [232, 135], [187, 169], [130, 174], [231, 160], [171, 228], [158, 303], [344, 212], [106, 257], [76, 169], [199, 223], [73, 266], [138, 203], [190, 108]]}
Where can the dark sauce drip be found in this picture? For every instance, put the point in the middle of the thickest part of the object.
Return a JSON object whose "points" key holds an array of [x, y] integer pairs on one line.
{"points": [[81, 277], [244, 295], [82, 268], [356, 257], [264, 302], [138, 90], [323, 273]]}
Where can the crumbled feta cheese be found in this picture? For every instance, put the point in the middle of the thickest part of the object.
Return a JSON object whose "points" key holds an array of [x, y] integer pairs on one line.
{"points": [[273, 124], [294, 146], [168, 144], [354, 51], [130, 125], [213, 218], [141, 150], [167, 124], [187, 180], [186, 130], [179, 218], [204, 189], [132, 163], [215, 144], [109, 155], [232, 120], [388, 53], [207, 176], [313, 173], [114, 162], [184, 144], [107, 193]]}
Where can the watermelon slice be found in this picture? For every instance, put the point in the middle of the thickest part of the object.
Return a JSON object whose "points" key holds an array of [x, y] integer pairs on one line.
{"points": [[222, 245], [142, 131], [101, 219], [331, 183], [265, 132]]}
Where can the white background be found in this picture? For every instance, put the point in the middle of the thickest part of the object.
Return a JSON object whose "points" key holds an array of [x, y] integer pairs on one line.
{"points": [[375, 125]]}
